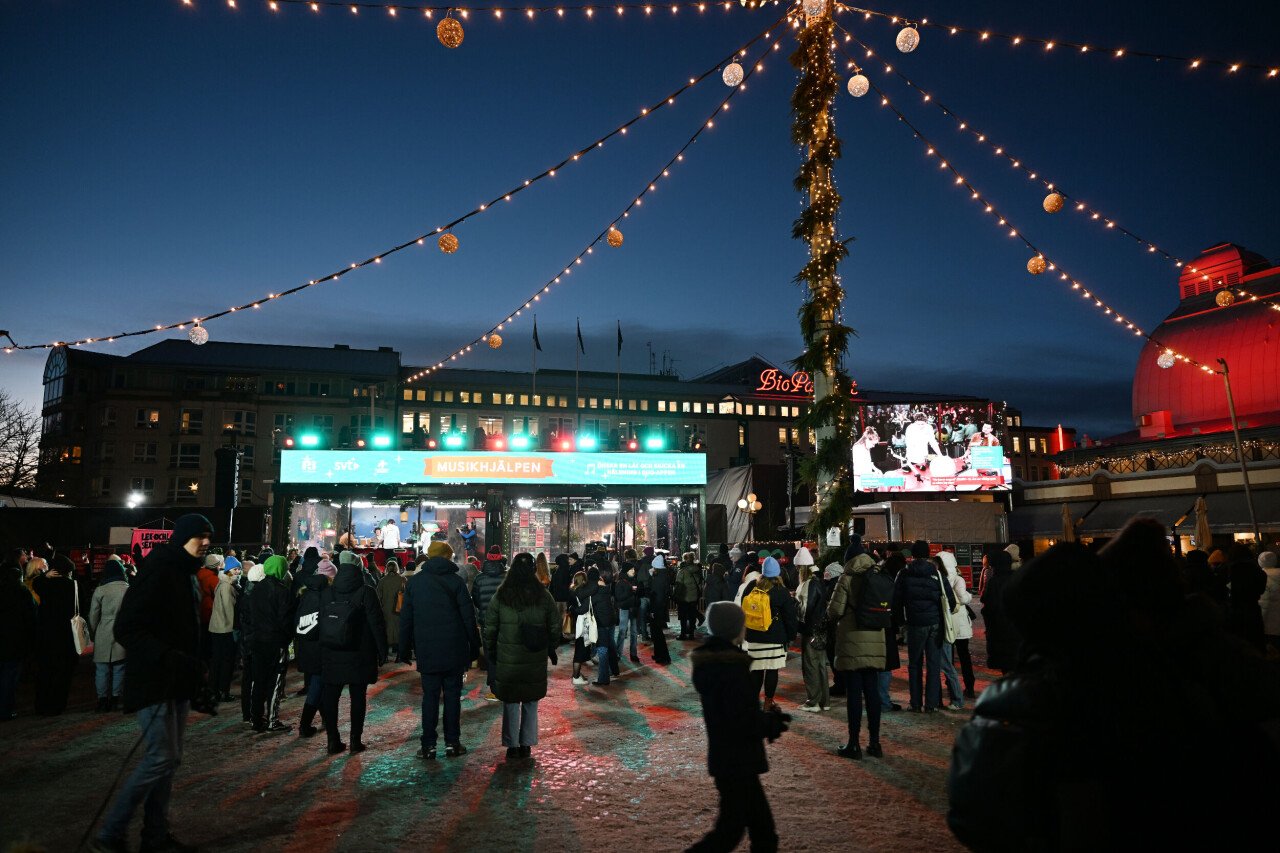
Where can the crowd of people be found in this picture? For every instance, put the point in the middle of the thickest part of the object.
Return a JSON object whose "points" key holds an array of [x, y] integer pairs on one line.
{"points": [[170, 636]]}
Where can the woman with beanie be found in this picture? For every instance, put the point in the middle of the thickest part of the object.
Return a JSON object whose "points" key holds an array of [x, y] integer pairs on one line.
{"points": [[811, 601], [353, 663], [861, 654], [108, 655], [222, 624], [521, 631], [390, 599], [771, 622], [306, 642]]}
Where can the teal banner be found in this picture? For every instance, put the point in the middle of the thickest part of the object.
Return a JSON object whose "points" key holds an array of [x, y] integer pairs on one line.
{"points": [[492, 467]]}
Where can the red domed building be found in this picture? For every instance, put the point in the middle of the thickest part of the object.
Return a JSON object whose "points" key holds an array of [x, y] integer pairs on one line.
{"points": [[1182, 447]]}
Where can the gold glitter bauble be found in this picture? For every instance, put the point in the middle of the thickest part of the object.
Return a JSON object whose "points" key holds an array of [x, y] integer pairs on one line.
{"points": [[495, 341], [449, 31], [614, 238], [448, 243], [908, 39], [1036, 265], [1224, 298], [1053, 202]]}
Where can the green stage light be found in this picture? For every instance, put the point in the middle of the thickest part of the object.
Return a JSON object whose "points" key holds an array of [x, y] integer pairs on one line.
{"points": [[453, 441], [654, 442], [309, 439], [587, 442], [382, 441], [520, 442]]}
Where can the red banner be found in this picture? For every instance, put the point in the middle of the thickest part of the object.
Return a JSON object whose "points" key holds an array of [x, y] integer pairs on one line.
{"points": [[148, 538]]}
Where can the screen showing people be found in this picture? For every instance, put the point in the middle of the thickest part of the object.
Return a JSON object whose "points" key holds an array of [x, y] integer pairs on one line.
{"points": [[931, 447]]}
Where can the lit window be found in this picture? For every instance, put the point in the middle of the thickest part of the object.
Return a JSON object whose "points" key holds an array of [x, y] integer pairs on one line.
{"points": [[448, 396], [408, 394], [662, 405], [422, 396], [782, 435], [537, 399], [407, 422], [685, 407], [726, 407], [435, 397], [751, 409], [593, 403], [464, 396], [1017, 444], [631, 405], [644, 405], [497, 398], [509, 399], [524, 399], [608, 402], [742, 436]]}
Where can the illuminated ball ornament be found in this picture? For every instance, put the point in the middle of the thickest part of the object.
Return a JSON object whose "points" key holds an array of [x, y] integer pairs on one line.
{"points": [[448, 243], [449, 31], [199, 335], [614, 237], [494, 341], [1053, 202], [908, 39], [732, 75], [859, 85], [1225, 298], [1036, 265], [1166, 359], [814, 8]]}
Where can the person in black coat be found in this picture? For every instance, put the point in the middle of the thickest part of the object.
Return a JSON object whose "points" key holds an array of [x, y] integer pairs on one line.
{"points": [[18, 622], [736, 728], [438, 627], [306, 643], [1248, 582], [55, 647], [1002, 637], [561, 577], [355, 665], [917, 596], [268, 626], [159, 623], [600, 592], [626, 594]]}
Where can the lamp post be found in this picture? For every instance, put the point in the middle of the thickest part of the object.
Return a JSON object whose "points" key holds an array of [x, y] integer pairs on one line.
{"points": [[750, 506], [1244, 466]]}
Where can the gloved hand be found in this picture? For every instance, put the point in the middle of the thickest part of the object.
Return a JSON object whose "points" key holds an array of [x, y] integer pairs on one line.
{"points": [[551, 653]]}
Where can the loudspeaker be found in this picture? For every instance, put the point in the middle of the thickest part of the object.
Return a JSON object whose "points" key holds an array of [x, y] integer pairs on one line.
{"points": [[859, 525], [226, 477]]}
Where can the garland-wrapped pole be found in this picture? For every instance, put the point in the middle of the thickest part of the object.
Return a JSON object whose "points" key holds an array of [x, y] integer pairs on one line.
{"points": [[826, 338]]}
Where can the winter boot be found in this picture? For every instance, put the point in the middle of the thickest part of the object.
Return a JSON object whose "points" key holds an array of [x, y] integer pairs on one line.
{"points": [[305, 727]]}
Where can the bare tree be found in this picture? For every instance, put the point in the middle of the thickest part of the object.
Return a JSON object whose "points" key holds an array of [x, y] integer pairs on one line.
{"points": [[19, 443]]}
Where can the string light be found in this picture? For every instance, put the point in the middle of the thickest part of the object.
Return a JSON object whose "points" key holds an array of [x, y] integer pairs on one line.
{"points": [[420, 239], [1268, 72], [497, 10], [611, 228], [1168, 459]]}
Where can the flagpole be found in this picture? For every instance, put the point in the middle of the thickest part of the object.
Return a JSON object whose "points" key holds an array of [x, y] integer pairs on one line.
{"points": [[577, 363], [535, 359], [618, 370]]}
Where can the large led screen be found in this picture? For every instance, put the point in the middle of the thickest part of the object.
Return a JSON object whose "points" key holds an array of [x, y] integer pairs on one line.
{"points": [[931, 447]]}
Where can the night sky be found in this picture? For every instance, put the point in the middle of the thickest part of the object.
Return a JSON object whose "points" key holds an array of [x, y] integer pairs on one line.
{"points": [[161, 161]]}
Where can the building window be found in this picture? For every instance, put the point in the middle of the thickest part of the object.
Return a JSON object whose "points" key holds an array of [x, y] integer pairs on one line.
{"points": [[191, 421], [631, 405], [662, 405], [55, 373], [742, 436], [407, 394], [509, 399], [1017, 444], [490, 426], [782, 435], [1017, 471], [593, 403], [448, 396], [185, 456], [537, 399], [436, 397], [245, 423], [464, 397], [282, 422], [109, 416], [564, 402], [244, 383], [608, 402], [106, 451], [183, 490], [144, 451], [524, 426], [422, 396], [685, 407], [408, 422], [146, 486], [147, 419], [524, 399], [102, 487], [697, 409], [751, 409], [319, 389], [1044, 446], [246, 489]]}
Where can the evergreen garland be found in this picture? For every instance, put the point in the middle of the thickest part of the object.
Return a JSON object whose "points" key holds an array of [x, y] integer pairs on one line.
{"points": [[825, 342]]}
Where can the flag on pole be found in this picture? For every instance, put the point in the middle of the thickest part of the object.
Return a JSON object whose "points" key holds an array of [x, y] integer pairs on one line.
{"points": [[619, 337], [581, 347], [536, 343]]}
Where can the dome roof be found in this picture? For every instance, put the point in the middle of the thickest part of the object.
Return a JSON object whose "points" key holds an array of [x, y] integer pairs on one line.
{"points": [[1246, 334]]}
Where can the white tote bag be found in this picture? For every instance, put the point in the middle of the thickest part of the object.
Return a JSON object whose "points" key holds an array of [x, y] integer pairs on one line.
{"points": [[79, 627], [586, 628]]}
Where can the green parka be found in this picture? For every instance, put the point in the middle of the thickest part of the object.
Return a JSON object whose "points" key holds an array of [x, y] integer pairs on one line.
{"points": [[855, 648], [521, 674], [688, 584]]}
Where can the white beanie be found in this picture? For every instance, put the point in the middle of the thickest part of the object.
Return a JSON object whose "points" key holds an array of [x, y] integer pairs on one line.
{"points": [[257, 573], [1267, 560], [833, 570]]}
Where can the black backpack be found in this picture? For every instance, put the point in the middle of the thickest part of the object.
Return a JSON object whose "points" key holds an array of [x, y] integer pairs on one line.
{"points": [[340, 623], [874, 607]]}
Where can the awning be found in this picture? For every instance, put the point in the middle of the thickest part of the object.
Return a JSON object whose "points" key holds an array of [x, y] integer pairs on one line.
{"points": [[1228, 512], [1044, 520]]}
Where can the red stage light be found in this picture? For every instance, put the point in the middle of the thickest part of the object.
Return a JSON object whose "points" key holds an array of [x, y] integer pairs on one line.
{"points": [[566, 444]]}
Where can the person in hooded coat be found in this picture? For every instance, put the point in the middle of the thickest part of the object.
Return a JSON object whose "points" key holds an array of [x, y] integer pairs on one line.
{"points": [[252, 574], [355, 665], [390, 587], [768, 646], [1002, 636], [207, 580], [268, 627], [961, 624], [861, 654], [521, 631], [18, 620], [58, 592], [108, 655], [482, 590], [811, 606], [602, 606], [306, 568], [688, 590], [659, 587], [919, 594], [222, 623], [561, 578], [626, 595], [306, 642]]}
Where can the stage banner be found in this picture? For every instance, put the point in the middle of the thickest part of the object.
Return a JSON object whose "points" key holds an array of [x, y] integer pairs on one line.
{"points": [[148, 538], [430, 466]]}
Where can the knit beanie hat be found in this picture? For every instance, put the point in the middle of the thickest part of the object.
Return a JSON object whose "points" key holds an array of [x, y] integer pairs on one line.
{"points": [[735, 553], [648, 550], [725, 620], [257, 573], [833, 570], [213, 561], [327, 568], [440, 549], [771, 568], [920, 549], [495, 553], [349, 558], [189, 527], [855, 547], [1267, 560]]}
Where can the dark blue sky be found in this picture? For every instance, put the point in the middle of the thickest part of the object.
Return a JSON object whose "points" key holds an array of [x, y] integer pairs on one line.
{"points": [[161, 161]]}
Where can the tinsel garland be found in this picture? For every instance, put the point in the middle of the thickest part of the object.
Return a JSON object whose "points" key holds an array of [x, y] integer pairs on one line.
{"points": [[826, 340]]}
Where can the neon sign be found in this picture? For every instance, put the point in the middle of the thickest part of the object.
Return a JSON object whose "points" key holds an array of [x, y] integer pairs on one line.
{"points": [[777, 381]]}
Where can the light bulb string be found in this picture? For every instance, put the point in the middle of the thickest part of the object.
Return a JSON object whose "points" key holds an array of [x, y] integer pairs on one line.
{"points": [[1004, 222], [498, 10], [649, 187], [549, 172], [1269, 72]]}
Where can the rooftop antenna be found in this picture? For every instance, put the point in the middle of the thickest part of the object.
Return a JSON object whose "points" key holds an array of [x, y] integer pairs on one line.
{"points": [[649, 344]]}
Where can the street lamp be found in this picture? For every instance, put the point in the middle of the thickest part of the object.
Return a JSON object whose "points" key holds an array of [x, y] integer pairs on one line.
{"points": [[133, 500], [750, 506]]}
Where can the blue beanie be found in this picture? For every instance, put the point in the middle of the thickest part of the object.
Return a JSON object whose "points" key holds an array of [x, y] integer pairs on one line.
{"points": [[771, 568]]}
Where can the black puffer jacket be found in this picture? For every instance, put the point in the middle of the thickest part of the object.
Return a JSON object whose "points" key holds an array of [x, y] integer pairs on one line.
{"points": [[626, 593], [602, 603], [438, 620], [267, 618], [306, 641], [17, 617], [736, 727], [660, 589], [561, 577], [159, 625], [358, 665], [917, 595], [486, 584]]}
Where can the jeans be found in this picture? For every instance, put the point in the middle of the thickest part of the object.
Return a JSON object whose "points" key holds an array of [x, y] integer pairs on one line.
{"points": [[743, 807], [813, 663], [644, 617], [519, 724], [884, 678], [924, 649], [9, 672], [862, 686], [626, 625], [108, 678], [433, 685], [949, 673], [606, 656], [152, 780], [315, 691]]}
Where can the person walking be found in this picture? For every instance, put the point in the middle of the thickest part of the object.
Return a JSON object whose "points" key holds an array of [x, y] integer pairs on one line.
{"points": [[353, 644], [771, 622], [1002, 637], [306, 642], [108, 655], [438, 629], [268, 626], [521, 631], [736, 729], [18, 627], [916, 599], [861, 654], [482, 590], [659, 608], [644, 572], [605, 612], [626, 595], [390, 599], [811, 604], [961, 624], [222, 623], [561, 578], [159, 623], [580, 605], [688, 590], [59, 595]]}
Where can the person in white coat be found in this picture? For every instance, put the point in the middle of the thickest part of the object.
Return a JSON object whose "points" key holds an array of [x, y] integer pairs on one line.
{"points": [[1270, 599], [961, 624], [391, 535], [108, 655]]}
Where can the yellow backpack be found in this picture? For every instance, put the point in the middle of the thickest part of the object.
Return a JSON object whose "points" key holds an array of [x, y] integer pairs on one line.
{"points": [[755, 605]]}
